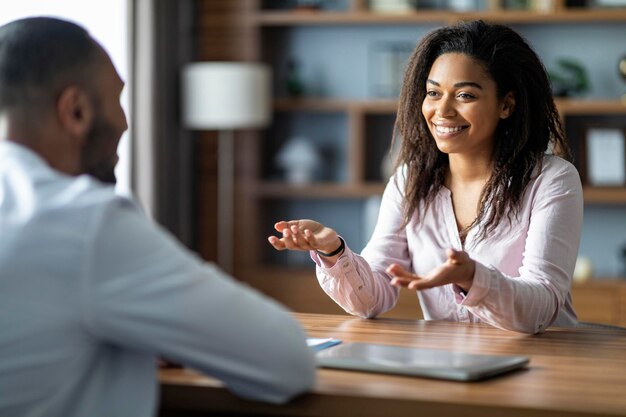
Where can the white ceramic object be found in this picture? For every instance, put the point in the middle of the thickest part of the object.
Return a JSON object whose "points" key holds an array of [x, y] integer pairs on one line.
{"points": [[583, 270], [300, 159]]}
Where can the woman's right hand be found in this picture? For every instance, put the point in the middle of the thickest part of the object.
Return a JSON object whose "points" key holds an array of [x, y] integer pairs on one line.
{"points": [[305, 235]]}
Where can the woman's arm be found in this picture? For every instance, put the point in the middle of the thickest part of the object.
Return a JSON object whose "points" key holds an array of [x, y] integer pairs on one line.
{"points": [[532, 301], [360, 284]]}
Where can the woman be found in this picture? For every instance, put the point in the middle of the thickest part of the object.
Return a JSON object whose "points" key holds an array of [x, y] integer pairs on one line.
{"points": [[478, 218]]}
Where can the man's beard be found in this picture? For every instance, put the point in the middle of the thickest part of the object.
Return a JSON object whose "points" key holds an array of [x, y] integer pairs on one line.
{"points": [[95, 158]]}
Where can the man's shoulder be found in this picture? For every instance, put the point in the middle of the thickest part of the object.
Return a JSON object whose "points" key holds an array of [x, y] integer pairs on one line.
{"points": [[33, 186], [86, 191]]}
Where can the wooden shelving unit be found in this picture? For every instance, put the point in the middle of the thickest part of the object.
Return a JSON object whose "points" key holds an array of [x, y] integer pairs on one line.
{"points": [[567, 107], [601, 301], [278, 190], [572, 107], [604, 195], [383, 106], [289, 18], [360, 109], [315, 191]]}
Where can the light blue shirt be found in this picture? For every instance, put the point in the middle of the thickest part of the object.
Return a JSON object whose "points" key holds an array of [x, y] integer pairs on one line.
{"points": [[91, 292]]}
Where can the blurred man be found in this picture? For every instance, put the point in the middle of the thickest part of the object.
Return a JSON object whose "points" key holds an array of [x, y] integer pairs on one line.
{"points": [[90, 290]]}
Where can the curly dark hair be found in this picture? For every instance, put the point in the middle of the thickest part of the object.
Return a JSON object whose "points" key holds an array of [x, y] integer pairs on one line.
{"points": [[521, 140]]}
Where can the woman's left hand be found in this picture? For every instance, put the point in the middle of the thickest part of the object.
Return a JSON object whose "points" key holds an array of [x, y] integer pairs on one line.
{"points": [[458, 269]]}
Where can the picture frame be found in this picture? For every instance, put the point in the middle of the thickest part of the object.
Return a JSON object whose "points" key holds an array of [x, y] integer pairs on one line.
{"points": [[386, 64], [605, 156], [609, 3]]}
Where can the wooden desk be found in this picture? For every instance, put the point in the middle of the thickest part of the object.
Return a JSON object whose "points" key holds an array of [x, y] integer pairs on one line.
{"points": [[571, 373]]}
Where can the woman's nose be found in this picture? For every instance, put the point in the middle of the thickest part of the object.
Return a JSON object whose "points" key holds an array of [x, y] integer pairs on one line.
{"points": [[445, 107]]}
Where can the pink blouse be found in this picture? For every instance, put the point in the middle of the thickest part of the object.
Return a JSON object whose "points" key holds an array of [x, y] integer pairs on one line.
{"points": [[523, 270]]}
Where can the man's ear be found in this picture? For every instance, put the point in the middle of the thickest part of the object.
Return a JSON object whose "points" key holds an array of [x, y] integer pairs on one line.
{"points": [[75, 112], [508, 105]]}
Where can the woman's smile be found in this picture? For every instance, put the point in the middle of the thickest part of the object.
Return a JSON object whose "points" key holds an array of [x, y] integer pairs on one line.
{"points": [[448, 130]]}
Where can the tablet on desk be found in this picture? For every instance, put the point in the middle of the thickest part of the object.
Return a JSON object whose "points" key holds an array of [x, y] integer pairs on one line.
{"points": [[428, 363]]}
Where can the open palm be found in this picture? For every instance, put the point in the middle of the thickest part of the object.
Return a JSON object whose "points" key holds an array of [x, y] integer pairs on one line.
{"points": [[457, 269], [304, 235]]}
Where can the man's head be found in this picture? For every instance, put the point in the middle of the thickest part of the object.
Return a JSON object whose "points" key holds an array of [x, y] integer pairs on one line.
{"points": [[59, 95]]}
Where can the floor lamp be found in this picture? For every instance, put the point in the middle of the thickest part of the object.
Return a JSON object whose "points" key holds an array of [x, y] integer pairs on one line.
{"points": [[225, 96]]}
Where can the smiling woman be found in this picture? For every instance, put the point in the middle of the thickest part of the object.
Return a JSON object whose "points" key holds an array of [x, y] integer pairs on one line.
{"points": [[464, 105], [477, 218], [108, 23], [462, 111]]}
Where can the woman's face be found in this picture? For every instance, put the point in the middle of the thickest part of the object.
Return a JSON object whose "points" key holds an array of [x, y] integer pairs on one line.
{"points": [[461, 106]]}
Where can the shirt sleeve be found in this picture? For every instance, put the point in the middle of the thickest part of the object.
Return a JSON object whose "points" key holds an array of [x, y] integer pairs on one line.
{"points": [[145, 291], [359, 284], [531, 301]]}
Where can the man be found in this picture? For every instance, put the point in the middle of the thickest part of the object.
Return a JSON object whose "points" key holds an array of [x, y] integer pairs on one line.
{"points": [[91, 292]]}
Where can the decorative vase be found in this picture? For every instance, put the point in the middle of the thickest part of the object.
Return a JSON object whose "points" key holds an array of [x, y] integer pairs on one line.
{"points": [[300, 160]]}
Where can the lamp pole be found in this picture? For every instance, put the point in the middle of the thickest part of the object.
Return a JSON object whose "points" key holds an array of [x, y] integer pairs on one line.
{"points": [[225, 96], [225, 199]]}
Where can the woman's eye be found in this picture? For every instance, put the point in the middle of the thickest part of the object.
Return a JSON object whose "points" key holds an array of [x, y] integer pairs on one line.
{"points": [[431, 93], [466, 96]]}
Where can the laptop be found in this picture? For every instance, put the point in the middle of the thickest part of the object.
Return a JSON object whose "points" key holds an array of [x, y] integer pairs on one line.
{"points": [[429, 363]]}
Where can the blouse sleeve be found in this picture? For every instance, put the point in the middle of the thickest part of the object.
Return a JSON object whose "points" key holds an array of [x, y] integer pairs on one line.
{"points": [[531, 301], [359, 283]]}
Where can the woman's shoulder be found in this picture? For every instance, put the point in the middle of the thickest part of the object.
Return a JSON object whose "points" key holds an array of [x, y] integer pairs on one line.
{"points": [[556, 171], [399, 175], [553, 165]]}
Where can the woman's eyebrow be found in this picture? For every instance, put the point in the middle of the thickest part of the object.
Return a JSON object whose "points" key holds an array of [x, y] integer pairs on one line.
{"points": [[458, 85], [468, 84]]}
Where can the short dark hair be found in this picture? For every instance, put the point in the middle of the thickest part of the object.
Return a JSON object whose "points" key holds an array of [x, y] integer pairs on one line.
{"points": [[521, 140], [39, 57]]}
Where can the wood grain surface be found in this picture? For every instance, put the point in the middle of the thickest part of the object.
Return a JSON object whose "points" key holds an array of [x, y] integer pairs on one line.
{"points": [[572, 372]]}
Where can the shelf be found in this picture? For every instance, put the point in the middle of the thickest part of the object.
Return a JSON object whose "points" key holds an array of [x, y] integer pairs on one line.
{"points": [[590, 106], [601, 301], [320, 190], [333, 18], [577, 106], [604, 195], [276, 190], [373, 106], [287, 18], [614, 283]]}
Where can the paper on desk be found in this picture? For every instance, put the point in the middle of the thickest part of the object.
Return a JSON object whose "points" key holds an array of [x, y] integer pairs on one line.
{"points": [[321, 343]]}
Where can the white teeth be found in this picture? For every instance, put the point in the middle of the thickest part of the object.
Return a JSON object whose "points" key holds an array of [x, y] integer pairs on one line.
{"points": [[443, 129]]}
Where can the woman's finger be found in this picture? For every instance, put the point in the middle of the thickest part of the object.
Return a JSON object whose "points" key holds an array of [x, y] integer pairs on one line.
{"points": [[420, 284], [396, 270], [456, 257], [311, 240], [276, 243], [281, 225], [299, 239], [401, 282], [288, 239]]}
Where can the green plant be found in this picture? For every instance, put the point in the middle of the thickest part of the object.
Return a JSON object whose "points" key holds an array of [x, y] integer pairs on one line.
{"points": [[569, 78]]}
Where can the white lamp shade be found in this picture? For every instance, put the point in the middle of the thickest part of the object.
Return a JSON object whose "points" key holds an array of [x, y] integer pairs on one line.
{"points": [[226, 95]]}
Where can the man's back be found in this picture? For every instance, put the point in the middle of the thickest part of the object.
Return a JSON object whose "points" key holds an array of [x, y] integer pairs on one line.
{"points": [[91, 292]]}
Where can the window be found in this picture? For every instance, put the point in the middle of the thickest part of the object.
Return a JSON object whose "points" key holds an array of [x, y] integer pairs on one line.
{"points": [[108, 23]]}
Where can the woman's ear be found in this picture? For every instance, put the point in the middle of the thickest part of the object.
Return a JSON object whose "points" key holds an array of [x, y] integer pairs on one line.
{"points": [[75, 112], [508, 105]]}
